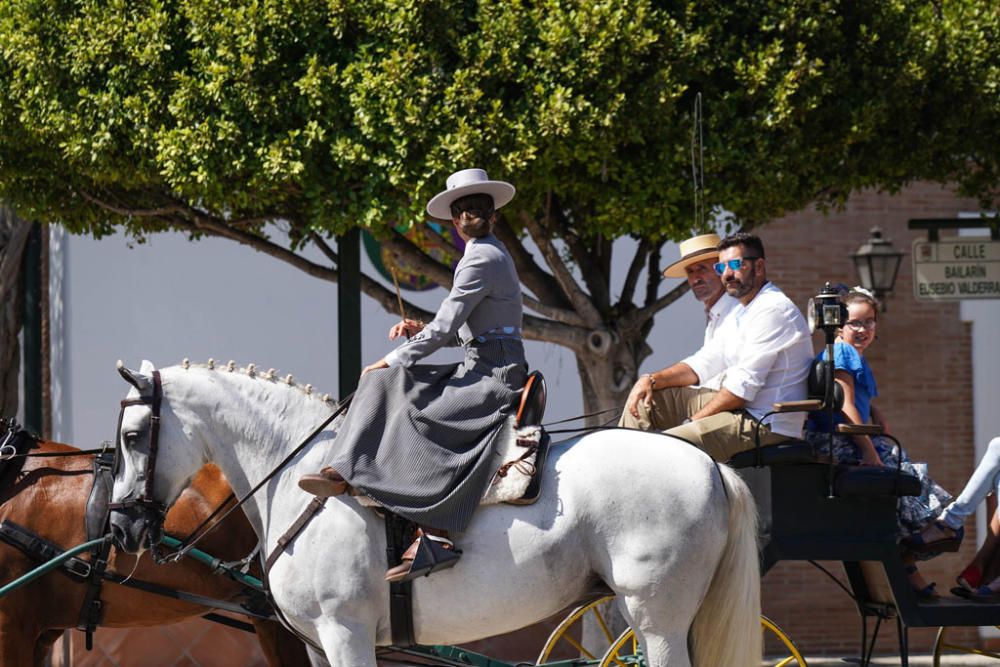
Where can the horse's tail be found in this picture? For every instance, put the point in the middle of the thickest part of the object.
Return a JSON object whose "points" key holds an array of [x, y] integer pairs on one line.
{"points": [[726, 629]]}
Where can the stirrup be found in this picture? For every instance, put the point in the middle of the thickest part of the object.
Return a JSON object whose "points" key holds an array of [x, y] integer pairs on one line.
{"points": [[431, 556]]}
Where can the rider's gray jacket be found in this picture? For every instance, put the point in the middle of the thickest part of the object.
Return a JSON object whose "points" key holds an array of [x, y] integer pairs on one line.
{"points": [[484, 303]]}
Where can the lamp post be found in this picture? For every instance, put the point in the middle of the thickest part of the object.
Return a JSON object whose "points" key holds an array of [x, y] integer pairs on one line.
{"points": [[877, 263]]}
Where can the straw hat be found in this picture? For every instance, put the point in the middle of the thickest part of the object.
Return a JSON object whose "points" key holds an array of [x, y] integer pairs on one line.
{"points": [[469, 182], [697, 249]]}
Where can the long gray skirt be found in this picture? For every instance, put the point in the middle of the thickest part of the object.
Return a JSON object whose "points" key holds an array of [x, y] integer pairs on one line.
{"points": [[419, 440]]}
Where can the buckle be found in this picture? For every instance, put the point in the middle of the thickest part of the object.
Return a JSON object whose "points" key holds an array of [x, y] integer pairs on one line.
{"points": [[79, 568]]}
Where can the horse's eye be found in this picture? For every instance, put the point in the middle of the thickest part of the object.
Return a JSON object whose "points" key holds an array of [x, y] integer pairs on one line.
{"points": [[131, 437]]}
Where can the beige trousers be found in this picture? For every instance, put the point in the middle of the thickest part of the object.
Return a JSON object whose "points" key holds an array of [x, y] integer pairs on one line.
{"points": [[721, 435]]}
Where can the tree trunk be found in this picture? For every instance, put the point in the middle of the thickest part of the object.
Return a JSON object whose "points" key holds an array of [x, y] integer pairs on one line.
{"points": [[13, 234], [608, 369]]}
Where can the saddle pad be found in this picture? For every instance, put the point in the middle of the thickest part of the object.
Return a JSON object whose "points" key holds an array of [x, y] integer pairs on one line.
{"points": [[512, 468]]}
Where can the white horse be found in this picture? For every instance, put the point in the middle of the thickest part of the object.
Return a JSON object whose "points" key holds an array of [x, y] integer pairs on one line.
{"points": [[672, 534]]}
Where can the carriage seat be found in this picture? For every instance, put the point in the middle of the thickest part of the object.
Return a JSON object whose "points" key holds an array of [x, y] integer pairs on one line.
{"points": [[785, 453], [866, 482], [794, 451], [532, 406]]}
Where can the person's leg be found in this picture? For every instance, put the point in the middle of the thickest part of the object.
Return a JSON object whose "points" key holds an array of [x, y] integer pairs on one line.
{"points": [[948, 527], [984, 479], [724, 434], [670, 407], [983, 565]]}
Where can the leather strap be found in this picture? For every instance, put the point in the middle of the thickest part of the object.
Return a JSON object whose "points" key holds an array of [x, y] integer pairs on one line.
{"points": [[397, 537], [307, 514]]}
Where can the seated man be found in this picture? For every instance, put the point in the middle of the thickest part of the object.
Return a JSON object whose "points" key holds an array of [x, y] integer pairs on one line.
{"points": [[764, 350]]}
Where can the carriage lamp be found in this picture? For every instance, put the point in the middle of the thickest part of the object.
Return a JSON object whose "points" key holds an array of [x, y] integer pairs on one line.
{"points": [[826, 311], [877, 263]]}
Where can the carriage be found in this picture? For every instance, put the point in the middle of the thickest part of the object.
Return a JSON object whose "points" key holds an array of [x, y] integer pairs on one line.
{"points": [[808, 508]]}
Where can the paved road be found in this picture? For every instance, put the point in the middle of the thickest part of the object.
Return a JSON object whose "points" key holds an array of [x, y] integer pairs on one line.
{"points": [[915, 661]]}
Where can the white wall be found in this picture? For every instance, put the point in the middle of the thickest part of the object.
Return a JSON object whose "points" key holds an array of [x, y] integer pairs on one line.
{"points": [[170, 298]]}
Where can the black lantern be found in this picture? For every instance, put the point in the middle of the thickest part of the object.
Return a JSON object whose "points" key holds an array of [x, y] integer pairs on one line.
{"points": [[877, 263]]}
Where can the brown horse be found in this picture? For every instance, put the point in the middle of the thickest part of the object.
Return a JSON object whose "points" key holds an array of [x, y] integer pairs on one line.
{"points": [[48, 497]]}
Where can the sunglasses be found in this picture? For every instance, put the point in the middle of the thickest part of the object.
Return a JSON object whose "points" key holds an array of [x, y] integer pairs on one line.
{"points": [[733, 264]]}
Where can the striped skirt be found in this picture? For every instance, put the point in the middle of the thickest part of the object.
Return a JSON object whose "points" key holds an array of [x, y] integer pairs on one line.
{"points": [[419, 440]]}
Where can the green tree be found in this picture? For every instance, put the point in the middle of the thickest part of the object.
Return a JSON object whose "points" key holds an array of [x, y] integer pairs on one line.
{"points": [[217, 117]]}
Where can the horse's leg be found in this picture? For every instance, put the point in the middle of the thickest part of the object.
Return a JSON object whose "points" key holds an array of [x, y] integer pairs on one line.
{"points": [[662, 627], [281, 648], [347, 643], [43, 646], [316, 659]]}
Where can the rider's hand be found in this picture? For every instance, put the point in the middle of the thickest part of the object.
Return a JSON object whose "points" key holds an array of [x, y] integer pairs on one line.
{"points": [[641, 391], [381, 363], [406, 328]]}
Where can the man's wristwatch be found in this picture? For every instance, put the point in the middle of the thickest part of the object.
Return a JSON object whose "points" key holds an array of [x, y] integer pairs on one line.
{"points": [[652, 380]]}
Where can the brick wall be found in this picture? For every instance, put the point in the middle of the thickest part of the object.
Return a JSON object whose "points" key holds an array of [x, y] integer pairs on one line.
{"points": [[922, 360]]}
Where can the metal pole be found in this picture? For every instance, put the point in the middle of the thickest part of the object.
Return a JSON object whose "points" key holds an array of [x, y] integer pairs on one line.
{"points": [[32, 331], [349, 310]]}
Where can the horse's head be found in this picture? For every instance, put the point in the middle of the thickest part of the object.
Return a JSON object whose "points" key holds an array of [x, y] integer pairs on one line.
{"points": [[151, 468]]}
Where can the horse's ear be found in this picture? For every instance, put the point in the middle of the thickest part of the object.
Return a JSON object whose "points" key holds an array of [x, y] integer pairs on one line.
{"points": [[135, 378]]}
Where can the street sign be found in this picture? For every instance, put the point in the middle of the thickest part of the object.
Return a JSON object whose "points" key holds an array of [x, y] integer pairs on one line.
{"points": [[956, 268]]}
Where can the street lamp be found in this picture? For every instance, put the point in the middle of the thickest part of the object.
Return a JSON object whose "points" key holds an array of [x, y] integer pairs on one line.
{"points": [[877, 263]]}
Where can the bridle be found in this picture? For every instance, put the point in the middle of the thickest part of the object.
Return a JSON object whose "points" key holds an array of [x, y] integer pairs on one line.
{"points": [[154, 511]]}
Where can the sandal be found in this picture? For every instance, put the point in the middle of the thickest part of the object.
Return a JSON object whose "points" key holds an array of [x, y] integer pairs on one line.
{"points": [[983, 594], [970, 578], [917, 544], [928, 592]]}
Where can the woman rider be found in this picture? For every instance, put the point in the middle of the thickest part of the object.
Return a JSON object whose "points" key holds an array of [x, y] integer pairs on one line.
{"points": [[418, 438]]}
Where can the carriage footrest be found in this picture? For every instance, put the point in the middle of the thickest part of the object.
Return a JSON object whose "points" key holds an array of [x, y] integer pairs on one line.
{"points": [[40, 549]]}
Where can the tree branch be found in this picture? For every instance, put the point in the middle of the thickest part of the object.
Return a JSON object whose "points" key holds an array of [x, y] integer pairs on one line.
{"points": [[591, 263], [634, 269], [324, 247], [647, 312], [578, 298], [402, 247], [541, 283]]}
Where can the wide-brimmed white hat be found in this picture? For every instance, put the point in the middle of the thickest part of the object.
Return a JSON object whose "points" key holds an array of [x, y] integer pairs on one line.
{"points": [[696, 249], [469, 182]]}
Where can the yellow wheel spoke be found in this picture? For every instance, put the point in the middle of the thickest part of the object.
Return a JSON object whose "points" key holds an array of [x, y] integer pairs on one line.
{"points": [[604, 626], [579, 647]]}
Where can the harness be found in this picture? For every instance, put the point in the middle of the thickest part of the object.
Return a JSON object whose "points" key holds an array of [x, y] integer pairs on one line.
{"points": [[15, 442]]}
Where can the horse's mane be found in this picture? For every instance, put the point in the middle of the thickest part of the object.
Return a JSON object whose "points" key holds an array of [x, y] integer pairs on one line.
{"points": [[250, 371]]}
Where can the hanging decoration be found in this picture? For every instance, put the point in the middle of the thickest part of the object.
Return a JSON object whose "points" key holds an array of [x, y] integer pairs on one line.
{"points": [[438, 241]]}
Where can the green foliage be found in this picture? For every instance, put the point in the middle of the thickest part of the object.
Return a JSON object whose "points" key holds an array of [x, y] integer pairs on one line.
{"points": [[343, 112]]}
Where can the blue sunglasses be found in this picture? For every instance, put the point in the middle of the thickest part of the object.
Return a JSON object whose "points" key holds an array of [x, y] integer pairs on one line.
{"points": [[733, 264]]}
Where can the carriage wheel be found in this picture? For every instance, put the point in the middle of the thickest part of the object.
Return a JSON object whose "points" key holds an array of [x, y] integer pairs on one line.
{"points": [[794, 657], [941, 645], [566, 633], [624, 650]]}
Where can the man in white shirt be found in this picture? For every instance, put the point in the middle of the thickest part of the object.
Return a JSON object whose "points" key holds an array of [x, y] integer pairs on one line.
{"points": [[762, 347], [697, 263]]}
